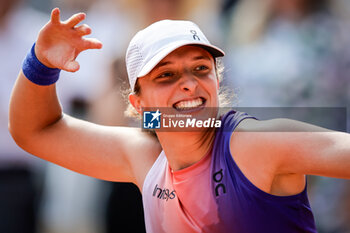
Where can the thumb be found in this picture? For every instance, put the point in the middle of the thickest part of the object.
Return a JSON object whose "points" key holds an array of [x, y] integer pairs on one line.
{"points": [[71, 66]]}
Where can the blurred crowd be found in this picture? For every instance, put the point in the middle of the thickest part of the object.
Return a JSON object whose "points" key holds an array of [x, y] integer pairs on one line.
{"points": [[279, 53]]}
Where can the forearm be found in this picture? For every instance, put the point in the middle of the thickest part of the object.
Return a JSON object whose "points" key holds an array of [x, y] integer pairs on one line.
{"points": [[32, 109]]}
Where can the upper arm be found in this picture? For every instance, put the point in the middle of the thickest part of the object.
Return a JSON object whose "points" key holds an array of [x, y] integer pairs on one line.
{"points": [[111, 153], [38, 125], [286, 146]]}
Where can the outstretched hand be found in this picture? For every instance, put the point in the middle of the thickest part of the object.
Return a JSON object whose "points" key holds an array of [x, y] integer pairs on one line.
{"points": [[60, 42]]}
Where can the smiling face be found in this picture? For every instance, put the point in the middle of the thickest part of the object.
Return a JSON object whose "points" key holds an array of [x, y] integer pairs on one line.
{"points": [[185, 81]]}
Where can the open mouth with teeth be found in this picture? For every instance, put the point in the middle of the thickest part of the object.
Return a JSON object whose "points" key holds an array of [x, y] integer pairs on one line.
{"points": [[190, 105]]}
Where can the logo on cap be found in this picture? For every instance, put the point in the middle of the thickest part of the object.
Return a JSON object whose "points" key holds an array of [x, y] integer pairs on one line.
{"points": [[195, 36], [151, 119]]}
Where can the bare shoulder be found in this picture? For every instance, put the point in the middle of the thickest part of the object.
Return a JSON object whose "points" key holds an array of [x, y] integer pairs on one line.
{"points": [[249, 153]]}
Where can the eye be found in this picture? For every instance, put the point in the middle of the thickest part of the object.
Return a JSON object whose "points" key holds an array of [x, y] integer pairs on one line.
{"points": [[165, 75], [201, 68]]}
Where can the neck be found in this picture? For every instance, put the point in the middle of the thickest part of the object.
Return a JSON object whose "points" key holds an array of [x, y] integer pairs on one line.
{"points": [[185, 148]]}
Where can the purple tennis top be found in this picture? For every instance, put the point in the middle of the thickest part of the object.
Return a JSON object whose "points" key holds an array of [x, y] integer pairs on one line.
{"points": [[244, 206], [213, 195]]}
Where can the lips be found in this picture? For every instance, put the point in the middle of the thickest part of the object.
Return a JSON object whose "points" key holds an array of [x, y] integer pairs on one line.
{"points": [[189, 104]]}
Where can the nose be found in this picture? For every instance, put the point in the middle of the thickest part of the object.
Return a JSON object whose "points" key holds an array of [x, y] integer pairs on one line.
{"points": [[188, 83]]}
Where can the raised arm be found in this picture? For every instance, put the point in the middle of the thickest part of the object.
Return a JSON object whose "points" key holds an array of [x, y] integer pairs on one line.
{"points": [[38, 125]]}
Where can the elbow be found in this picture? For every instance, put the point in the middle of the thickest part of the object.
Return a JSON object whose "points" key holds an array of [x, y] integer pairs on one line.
{"points": [[15, 136], [19, 137]]}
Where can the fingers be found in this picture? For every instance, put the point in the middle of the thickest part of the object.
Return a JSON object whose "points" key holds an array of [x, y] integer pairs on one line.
{"points": [[71, 22], [71, 66], [83, 30], [55, 15], [75, 19], [91, 43], [87, 43]]}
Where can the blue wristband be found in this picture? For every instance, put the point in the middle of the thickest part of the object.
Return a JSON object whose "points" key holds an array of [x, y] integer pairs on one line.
{"points": [[37, 72]]}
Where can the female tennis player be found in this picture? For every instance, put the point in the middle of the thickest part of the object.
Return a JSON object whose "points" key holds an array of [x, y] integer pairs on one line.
{"points": [[247, 176]]}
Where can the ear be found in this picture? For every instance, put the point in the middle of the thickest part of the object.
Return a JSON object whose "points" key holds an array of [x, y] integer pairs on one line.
{"points": [[135, 101]]}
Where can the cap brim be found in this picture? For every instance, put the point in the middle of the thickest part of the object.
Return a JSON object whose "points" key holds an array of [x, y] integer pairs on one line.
{"points": [[213, 50]]}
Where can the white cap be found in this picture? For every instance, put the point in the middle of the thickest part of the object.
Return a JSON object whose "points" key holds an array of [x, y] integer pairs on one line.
{"points": [[150, 45]]}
